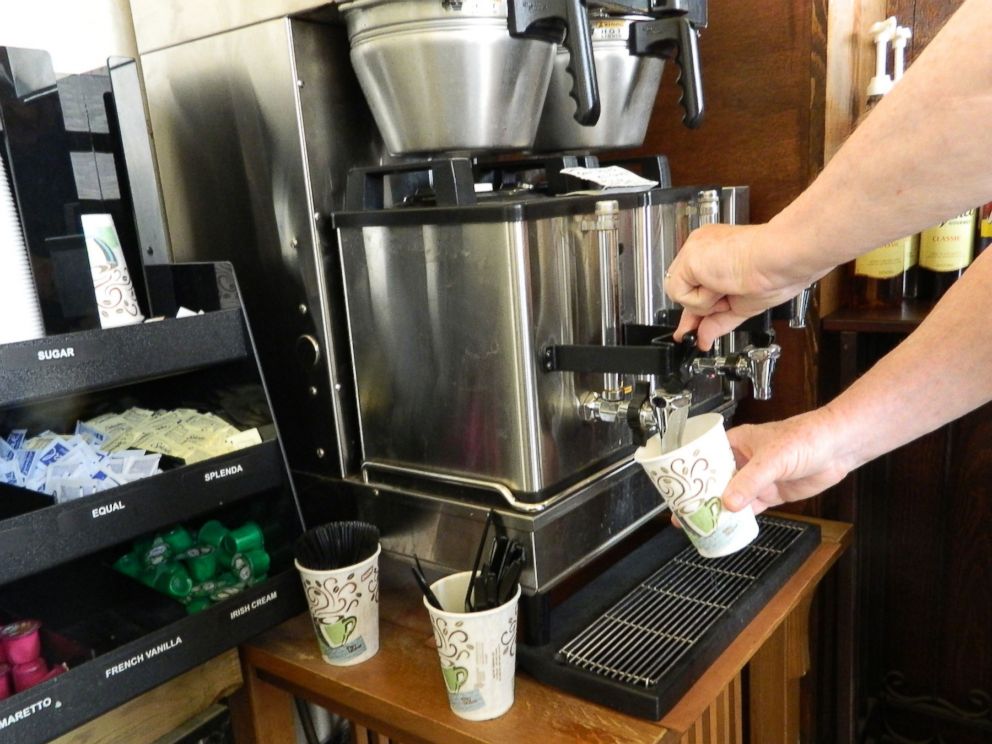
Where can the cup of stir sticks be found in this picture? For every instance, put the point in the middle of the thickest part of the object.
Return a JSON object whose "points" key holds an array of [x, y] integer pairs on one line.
{"points": [[339, 565]]}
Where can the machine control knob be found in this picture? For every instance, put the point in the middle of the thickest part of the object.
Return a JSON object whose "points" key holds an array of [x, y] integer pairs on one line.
{"points": [[308, 350]]}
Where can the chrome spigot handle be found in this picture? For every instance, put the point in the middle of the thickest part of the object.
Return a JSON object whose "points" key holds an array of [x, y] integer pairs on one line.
{"points": [[799, 307], [761, 361]]}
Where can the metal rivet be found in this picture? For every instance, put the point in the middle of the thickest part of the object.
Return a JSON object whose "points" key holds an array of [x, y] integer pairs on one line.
{"points": [[313, 390], [337, 386], [375, 491], [320, 453], [295, 242], [299, 83], [302, 308], [149, 250], [316, 216]]}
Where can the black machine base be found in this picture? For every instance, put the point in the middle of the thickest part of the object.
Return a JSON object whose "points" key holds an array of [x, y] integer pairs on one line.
{"points": [[638, 636]]}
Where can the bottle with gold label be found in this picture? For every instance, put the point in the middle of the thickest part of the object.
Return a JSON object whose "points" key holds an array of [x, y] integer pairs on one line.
{"points": [[946, 250], [887, 275], [984, 229]]}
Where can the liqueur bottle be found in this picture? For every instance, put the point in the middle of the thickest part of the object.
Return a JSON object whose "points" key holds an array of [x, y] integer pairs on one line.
{"points": [[887, 275], [946, 250], [984, 229]]}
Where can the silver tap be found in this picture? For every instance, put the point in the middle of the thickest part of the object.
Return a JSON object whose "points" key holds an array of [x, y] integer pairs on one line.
{"points": [[799, 307], [661, 412], [754, 363]]}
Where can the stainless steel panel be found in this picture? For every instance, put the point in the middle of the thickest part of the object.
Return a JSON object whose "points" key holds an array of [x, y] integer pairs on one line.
{"points": [[444, 532], [448, 324], [448, 77], [229, 125], [162, 23]]}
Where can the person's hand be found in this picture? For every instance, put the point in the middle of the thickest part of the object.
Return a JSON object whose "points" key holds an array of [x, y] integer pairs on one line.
{"points": [[724, 274], [787, 461]]}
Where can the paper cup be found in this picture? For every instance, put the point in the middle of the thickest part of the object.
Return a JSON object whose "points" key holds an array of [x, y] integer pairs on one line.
{"points": [[692, 479], [344, 608], [477, 650]]}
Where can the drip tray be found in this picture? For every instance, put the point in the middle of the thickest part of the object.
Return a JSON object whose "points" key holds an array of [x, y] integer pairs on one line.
{"points": [[640, 647]]}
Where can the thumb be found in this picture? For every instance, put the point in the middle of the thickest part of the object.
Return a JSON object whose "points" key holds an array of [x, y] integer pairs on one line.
{"points": [[750, 481]]}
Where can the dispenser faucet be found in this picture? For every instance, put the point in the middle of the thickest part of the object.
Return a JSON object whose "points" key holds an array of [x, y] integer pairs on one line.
{"points": [[754, 363]]}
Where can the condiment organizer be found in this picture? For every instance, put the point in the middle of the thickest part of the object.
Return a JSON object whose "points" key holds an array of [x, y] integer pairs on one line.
{"points": [[56, 558]]}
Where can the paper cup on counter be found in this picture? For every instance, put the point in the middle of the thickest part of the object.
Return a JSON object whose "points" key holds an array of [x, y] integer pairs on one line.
{"points": [[477, 650], [691, 479], [344, 608]]}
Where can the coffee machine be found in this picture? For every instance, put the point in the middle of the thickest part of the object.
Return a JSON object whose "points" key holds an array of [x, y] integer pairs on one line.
{"points": [[447, 329]]}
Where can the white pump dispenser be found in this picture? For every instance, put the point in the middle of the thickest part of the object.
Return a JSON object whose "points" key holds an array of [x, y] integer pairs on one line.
{"points": [[901, 36], [883, 32]]}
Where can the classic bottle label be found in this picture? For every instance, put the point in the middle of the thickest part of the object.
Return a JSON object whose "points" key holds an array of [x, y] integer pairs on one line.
{"points": [[889, 260], [948, 246]]}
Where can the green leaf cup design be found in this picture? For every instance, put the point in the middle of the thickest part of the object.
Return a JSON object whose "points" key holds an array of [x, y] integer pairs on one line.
{"points": [[338, 633], [454, 677]]}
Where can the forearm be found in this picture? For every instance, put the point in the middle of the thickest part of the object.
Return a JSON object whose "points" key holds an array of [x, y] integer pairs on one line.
{"points": [[940, 372], [921, 156]]}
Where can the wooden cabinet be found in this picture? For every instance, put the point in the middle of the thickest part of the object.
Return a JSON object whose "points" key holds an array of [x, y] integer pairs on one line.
{"points": [[902, 635]]}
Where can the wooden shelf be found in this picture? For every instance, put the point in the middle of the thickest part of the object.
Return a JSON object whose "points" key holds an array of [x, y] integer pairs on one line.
{"points": [[903, 319]]}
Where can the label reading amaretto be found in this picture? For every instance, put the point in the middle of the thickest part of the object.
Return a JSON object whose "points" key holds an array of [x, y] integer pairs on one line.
{"points": [[890, 259], [949, 245]]}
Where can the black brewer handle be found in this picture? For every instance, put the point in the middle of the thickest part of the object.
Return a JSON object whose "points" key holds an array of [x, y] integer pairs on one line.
{"points": [[541, 20], [675, 38], [452, 179]]}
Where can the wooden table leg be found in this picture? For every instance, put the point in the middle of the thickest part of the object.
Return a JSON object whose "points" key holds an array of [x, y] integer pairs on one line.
{"points": [[261, 713], [774, 673]]}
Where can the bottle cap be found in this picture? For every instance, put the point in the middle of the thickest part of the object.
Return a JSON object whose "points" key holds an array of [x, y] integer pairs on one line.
{"points": [[174, 580], [178, 539], [156, 553], [244, 538], [129, 565], [29, 674], [6, 686], [248, 566], [198, 605], [211, 533], [21, 641], [201, 562]]}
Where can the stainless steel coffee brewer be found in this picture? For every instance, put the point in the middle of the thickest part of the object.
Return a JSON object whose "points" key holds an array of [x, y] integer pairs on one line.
{"points": [[434, 349]]}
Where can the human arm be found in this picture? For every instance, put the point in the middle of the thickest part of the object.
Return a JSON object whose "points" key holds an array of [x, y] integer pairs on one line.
{"points": [[921, 156], [939, 372]]}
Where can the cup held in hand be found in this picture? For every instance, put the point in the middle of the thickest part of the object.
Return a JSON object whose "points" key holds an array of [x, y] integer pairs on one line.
{"points": [[692, 478]]}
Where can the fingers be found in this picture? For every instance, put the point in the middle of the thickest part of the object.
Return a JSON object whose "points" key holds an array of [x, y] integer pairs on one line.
{"points": [[711, 327], [750, 482]]}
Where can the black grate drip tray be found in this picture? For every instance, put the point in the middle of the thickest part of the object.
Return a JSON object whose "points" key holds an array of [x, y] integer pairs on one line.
{"points": [[639, 648]]}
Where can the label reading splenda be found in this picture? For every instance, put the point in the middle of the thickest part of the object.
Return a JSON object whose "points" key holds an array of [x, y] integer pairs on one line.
{"points": [[143, 656], [227, 472], [253, 605], [27, 712]]}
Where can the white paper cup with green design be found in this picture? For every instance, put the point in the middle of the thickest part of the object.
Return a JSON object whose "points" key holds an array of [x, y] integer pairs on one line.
{"points": [[691, 479], [344, 608], [477, 650]]}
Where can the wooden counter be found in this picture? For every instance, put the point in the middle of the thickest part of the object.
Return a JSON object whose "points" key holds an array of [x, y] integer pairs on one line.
{"points": [[399, 694]]}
